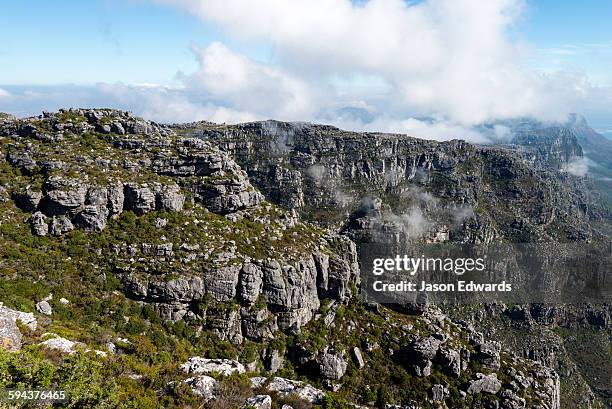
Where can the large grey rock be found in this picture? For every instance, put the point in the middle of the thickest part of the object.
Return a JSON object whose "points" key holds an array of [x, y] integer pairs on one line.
{"points": [[450, 361], [484, 383], [259, 402], [225, 323], [421, 354], [204, 386], [10, 336], [4, 195], [206, 366], [29, 200], [488, 354], [285, 387], [170, 198], [437, 393], [40, 226], [92, 218], [357, 357], [332, 366], [274, 361], [44, 307], [63, 345], [61, 225], [26, 318], [250, 283], [63, 195], [140, 199], [116, 198]]}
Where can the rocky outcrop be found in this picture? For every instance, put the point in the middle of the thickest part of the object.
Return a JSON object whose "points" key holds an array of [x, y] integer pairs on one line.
{"points": [[64, 203], [44, 307], [204, 386], [10, 336], [332, 366], [290, 292], [259, 402], [328, 174], [25, 318], [485, 384], [199, 365], [287, 387], [422, 353]]}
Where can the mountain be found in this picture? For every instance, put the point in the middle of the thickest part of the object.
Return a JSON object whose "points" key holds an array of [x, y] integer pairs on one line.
{"points": [[596, 149], [146, 265]]}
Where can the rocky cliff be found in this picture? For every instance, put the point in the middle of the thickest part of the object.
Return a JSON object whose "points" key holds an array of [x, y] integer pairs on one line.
{"points": [[381, 187], [235, 262], [162, 249]]}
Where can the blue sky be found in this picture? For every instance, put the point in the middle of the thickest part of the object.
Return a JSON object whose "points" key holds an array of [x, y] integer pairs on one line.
{"points": [[214, 59]]}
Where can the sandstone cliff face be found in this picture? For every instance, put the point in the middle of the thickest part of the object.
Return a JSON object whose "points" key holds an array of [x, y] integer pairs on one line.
{"points": [[394, 188], [85, 168], [473, 193]]}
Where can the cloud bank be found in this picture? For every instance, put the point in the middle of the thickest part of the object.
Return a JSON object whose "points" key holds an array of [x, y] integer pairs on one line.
{"points": [[432, 69]]}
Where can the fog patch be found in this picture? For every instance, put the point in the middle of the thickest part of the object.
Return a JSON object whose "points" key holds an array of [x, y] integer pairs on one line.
{"points": [[577, 167]]}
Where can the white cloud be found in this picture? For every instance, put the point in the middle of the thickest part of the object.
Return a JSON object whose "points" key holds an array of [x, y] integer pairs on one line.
{"points": [[445, 58], [436, 130], [4, 93], [577, 167], [244, 84]]}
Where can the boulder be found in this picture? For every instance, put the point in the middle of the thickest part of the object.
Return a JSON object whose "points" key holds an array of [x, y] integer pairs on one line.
{"points": [[39, 224], [29, 200], [274, 361], [199, 365], [4, 196], [484, 383], [44, 307], [357, 357], [63, 345], [170, 198], [285, 387], [450, 361], [259, 402], [140, 199], [61, 225], [26, 318], [92, 218], [204, 386], [332, 366], [488, 354], [63, 196], [421, 353], [10, 336], [437, 393]]}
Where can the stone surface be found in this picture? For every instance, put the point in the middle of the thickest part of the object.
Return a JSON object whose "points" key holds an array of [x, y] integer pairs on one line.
{"points": [[421, 354], [199, 365], [204, 386], [488, 354], [26, 318], [357, 357], [437, 393], [10, 336], [44, 307], [274, 361], [39, 224], [332, 366], [286, 387], [484, 384], [259, 402], [63, 345]]}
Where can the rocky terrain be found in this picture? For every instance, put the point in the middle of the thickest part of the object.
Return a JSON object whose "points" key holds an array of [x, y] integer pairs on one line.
{"points": [[205, 264]]}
